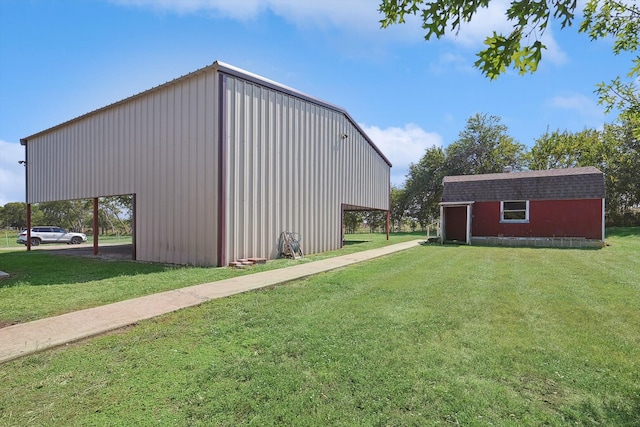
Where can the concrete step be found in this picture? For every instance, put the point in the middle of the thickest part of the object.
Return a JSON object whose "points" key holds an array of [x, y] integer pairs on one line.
{"points": [[246, 262]]}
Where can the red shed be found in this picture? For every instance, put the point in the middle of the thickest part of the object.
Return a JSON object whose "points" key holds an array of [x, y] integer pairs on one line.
{"points": [[555, 207]]}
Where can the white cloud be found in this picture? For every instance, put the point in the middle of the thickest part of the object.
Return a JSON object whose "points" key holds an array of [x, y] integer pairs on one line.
{"points": [[452, 61], [11, 173], [402, 146], [554, 52], [577, 102], [493, 18], [354, 15], [580, 111], [239, 9], [486, 20]]}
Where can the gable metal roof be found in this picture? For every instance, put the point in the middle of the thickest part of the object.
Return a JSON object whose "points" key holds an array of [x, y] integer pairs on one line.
{"points": [[552, 184]]}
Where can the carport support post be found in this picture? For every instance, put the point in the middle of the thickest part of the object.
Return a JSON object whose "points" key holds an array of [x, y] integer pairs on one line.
{"points": [[388, 223], [95, 226], [28, 226], [442, 235]]}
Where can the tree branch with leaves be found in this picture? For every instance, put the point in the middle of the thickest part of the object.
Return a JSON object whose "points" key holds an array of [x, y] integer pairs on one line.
{"points": [[522, 48]]}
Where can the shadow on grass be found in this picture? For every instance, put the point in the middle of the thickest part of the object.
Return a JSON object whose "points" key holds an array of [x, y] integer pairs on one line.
{"points": [[38, 268], [623, 232], [354, 242], [454, 244], [613, 414]]}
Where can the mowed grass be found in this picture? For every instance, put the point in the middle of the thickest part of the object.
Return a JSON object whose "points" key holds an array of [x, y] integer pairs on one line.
{"points": [[44, 284], [435, 335]]}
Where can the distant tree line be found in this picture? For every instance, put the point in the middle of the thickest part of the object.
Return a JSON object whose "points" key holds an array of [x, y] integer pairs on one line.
{"points": [[114, 215], [484, 146]]}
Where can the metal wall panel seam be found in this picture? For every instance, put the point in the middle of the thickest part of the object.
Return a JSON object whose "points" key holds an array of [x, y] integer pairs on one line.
{"points": [[199, 172], [209, 168], [222, 169], [192, 168], [170, 205]]}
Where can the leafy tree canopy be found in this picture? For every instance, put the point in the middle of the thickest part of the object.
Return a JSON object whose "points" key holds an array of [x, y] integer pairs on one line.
{"points": [[483, 146], [522, 48], [614, 150]]}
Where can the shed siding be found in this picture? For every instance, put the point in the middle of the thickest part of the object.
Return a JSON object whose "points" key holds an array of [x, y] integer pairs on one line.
{"points": [[160, 145], [289, 169], [547, 218]]}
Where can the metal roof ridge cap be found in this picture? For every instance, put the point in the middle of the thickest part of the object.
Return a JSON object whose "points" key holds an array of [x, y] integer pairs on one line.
{"points": [[239, 72], [532, 173]]}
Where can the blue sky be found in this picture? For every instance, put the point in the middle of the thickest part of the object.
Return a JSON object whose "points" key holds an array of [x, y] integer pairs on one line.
{"points": [[61, 59]]}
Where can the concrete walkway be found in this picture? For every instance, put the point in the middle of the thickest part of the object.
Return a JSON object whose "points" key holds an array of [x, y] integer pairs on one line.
{"points": [[27, 338]]}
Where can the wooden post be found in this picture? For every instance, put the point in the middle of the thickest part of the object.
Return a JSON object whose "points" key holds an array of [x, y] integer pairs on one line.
{"points": [[388, 223], [342, 230], [134, 222], [95, 226], [28, 226]]}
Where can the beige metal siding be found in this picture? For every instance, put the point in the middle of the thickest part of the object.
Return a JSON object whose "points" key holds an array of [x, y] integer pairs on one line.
{"points": [[289, 169], [286, 166], [160, 145]]}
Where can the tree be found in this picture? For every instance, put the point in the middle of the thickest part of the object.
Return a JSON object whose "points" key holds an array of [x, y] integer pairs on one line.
{"points": [[70, 214], [567, 150], [14, 215], [375, 220], [397, 208], [115, 212], [620, 19], [423, 188], [522, 48], [484, 146], [352, 219], [622, 177], [614, 150]]}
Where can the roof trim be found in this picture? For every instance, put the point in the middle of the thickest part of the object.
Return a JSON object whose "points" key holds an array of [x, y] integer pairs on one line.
{"points": [[233, 71], [454, 204], [583, 170]]}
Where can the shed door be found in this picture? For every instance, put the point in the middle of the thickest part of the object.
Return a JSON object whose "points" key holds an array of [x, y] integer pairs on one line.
{"points": [[455, 223]]}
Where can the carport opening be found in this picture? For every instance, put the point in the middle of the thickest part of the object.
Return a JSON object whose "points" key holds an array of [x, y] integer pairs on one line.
{"points": [[108, 223], [357, 220]]}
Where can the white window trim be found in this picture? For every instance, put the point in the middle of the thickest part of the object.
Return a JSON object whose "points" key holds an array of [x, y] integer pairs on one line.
{"points": [[514, 221]]}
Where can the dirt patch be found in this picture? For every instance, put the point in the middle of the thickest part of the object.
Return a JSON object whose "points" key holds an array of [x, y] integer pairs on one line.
{"points": [[107, 251], [5, 324]]}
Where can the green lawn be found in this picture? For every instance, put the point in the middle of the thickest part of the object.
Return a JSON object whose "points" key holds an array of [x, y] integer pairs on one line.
{"points": [[44, 284], [450, 335]]}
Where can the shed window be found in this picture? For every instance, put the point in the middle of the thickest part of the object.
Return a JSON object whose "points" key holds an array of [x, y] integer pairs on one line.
{"points": [[514, 211]]}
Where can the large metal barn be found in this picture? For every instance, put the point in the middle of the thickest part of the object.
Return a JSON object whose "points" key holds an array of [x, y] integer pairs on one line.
{"points": [[219, 163]]}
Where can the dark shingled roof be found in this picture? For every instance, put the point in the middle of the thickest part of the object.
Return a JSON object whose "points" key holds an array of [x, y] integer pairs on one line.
{"points": [[553, 184]]}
